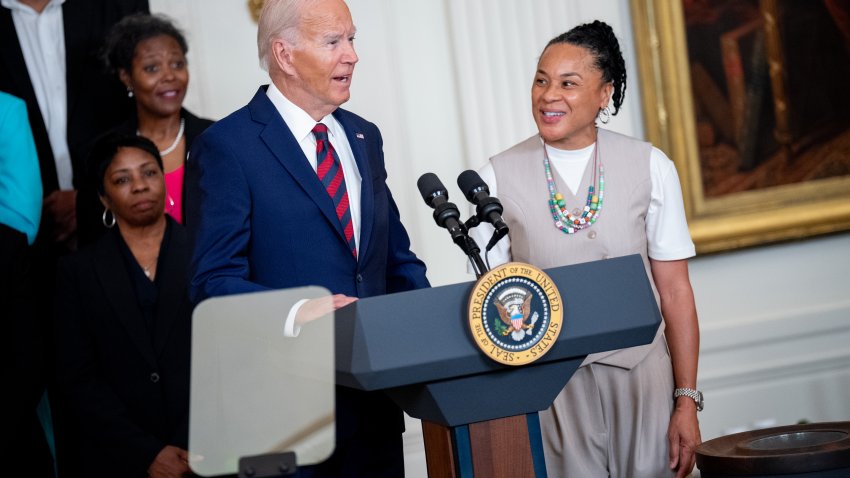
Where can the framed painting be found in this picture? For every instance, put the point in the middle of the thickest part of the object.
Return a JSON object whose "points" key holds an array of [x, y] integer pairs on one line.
{"points": [[750, 100], [255, 6]]}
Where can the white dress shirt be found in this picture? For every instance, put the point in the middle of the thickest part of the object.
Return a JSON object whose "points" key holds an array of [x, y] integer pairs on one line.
{"points": [[666, 225], [301, 125], [42, 39]]}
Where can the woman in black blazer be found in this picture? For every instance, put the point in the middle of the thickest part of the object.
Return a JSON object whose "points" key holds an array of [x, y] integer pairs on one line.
{"points": [[148, 53], [123, 325]]}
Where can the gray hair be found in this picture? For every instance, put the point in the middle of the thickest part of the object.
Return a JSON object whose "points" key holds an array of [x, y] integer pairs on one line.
{"points": [[278, 19]]}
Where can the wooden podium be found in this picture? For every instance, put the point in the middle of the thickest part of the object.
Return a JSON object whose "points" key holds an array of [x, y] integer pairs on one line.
{"points": [[479, 417]]}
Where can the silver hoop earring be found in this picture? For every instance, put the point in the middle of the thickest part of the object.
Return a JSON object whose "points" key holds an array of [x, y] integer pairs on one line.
{"points": [[108, 224], [605, 115]]}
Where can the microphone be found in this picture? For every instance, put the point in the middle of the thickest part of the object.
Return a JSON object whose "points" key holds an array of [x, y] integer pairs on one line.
{"points": [[446, 214], [487, 208]]}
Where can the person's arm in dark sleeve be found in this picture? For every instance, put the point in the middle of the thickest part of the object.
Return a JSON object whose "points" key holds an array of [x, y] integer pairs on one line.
{"points": [[404, 270], [218, 198]]}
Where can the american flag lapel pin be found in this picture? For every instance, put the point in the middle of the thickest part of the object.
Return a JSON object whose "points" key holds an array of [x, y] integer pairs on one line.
{"points": [[359, 135]]}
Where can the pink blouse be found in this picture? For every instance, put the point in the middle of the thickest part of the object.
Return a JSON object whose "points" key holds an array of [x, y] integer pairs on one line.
{"points": [[174, 194]]}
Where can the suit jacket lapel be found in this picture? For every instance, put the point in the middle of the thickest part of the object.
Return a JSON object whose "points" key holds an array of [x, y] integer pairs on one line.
{"points": [[171, 274], [277, 136], [12, 57], [109, 267], [76, 22], [358, 146], [14, 68]]}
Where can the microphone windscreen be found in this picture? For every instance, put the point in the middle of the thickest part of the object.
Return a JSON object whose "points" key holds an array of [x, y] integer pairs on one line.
{"points": [[470, 182], [428, 185]]}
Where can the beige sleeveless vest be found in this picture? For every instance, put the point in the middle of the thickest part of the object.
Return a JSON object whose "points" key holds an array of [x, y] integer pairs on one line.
{"points": [[619, 231]]}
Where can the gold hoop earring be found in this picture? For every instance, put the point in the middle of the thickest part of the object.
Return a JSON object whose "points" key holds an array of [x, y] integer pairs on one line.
{"points": [[108, 224]]}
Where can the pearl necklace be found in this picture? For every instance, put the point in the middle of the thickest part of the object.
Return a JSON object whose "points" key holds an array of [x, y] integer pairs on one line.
{"points": [[176, 140], [564, 220]]}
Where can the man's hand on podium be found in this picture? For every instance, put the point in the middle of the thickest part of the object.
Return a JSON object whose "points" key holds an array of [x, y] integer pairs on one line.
{"points": [[315, 308]]}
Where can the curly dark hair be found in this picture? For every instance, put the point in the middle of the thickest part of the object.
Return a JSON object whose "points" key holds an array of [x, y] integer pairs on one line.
{"points": [[125, 36], [600, 40], [106, 147]]}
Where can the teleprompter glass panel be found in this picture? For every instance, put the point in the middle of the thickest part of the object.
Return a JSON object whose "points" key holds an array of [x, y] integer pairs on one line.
{"points": [[255, 389]]}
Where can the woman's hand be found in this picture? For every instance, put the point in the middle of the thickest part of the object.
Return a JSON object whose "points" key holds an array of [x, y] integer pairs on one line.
{"points": [[684, 436], [682, 334], [170, 462]]}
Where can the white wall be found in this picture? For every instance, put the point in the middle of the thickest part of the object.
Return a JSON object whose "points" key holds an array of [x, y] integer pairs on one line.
{"points": [[448, 84], [775, 324]]}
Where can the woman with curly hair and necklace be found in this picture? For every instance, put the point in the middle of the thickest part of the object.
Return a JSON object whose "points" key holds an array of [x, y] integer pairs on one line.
{"points": [[629, 412]]}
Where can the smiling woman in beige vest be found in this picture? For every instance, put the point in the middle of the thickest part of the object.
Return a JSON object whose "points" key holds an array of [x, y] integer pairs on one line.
{"points": [[575, 193]]}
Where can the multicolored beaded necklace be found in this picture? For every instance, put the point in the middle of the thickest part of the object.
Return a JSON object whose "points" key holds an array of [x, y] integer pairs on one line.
{"points": [[564, 220]]}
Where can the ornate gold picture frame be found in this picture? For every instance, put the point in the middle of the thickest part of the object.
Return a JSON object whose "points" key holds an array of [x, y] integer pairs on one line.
{"points": [[255, 6], [800, 186]]}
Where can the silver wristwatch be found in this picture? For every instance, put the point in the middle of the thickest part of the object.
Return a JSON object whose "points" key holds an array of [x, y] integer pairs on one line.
{"points": [[695, 395]]}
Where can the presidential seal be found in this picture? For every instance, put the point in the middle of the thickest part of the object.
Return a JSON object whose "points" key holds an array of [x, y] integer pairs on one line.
{"points": [[515, 313]]}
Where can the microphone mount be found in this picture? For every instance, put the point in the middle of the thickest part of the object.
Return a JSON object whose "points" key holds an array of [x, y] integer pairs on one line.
{"points": [[487, 208], [447, 215]]}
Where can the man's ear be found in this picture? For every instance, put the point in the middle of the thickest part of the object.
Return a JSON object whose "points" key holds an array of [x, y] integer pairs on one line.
{"points": [[281, 52]]}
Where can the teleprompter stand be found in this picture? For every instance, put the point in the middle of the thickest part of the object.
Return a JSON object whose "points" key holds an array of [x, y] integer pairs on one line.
{"points": [[270, 465], [479, 417]]}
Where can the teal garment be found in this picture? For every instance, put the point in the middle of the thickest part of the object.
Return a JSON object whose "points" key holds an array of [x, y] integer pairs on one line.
{"points": [[20, 178]]}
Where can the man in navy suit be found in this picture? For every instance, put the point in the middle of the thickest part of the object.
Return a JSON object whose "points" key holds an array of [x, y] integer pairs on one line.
{"points": [[283, 203]]}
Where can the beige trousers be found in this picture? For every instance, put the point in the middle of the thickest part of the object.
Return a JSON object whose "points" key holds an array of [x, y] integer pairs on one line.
{"points": [[612, 422]]}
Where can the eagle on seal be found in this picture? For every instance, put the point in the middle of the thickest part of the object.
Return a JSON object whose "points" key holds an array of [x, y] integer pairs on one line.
{"points": [[514, 307]]}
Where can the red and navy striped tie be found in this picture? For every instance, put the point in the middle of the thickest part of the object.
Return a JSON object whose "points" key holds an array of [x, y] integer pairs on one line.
{"points": [[329, 169]]}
